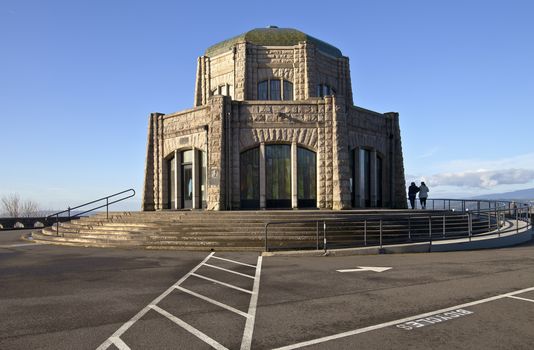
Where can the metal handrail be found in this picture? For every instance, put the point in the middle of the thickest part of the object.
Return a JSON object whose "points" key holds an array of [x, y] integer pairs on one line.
{"points": [[108, 203], [467, 223]]}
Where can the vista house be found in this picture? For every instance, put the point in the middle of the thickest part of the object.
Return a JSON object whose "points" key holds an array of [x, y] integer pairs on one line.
{"points": [[273, 126]]}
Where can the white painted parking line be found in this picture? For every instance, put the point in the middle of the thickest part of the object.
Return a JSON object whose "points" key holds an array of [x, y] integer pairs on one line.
{"points": [[233, 261], [221, 283], [402, 320], [190, 329], [249, 326], [141, 313], [214, 302], [19, 245], [119, 343], [520, 298], [366, 268], [234, 272]]}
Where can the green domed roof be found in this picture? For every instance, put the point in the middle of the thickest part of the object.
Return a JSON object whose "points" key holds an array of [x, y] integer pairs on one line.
{"points": [[272, 36]]}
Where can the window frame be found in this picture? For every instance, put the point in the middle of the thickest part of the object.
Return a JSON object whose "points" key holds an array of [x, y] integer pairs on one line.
{"points": [[283, 94]]}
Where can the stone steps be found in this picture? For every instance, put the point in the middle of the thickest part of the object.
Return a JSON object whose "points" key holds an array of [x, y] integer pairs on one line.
{"points": [[243, 230]]}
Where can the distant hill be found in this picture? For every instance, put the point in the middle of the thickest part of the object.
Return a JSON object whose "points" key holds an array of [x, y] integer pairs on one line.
{"points": [[527, 194]]}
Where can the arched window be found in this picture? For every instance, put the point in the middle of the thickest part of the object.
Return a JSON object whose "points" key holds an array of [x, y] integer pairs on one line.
{"points": [[275, 90], [307, 178], [325, 90], [249, 171]]}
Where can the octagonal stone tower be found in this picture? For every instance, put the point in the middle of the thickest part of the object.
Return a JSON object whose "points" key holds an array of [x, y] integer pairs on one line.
{"points": [[273, 126]]}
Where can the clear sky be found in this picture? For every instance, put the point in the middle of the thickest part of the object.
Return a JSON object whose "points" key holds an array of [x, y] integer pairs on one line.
{"points": [[78, 80]]}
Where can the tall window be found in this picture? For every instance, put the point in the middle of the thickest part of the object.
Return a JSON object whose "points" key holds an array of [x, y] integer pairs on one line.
{"points": [[278, 176], [365, 176], [288, 91], [203, 190], [379, 178], [306, 178], [275, 90], [325, 90], [171, 166], [263, 90], [249, 164]]}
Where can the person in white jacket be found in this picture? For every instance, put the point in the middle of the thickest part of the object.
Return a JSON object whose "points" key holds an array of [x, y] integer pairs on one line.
{"points": [[423, 194]]}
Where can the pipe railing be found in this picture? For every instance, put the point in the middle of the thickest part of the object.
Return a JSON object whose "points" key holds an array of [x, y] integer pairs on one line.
{"points": [[69, 210], [474, 218]]}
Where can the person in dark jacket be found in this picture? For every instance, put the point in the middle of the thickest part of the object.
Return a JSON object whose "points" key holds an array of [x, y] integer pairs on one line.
{"points": [[412, 192]]}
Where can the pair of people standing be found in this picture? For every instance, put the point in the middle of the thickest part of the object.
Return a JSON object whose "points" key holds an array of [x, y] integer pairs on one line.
{"points": [[423, 194]]}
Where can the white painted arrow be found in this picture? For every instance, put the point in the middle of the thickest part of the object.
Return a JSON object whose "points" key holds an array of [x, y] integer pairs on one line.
{"points": [[367, 268]]}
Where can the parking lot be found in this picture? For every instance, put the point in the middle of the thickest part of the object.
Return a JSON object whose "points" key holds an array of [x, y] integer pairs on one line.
{"points": [[54, 297]]}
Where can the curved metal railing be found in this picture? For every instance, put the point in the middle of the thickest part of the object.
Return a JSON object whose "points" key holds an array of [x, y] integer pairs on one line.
{"points": [[447, 219], [71, 215]]}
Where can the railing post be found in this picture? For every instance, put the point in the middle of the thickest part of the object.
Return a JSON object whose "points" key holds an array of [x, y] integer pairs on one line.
{"points": [[57, 224], [266, 246], [444, 226], [107, 208], [469, 225], [380, 233], [365, 232], [499, 223], [324, 235], [430, 227], [517, 220], [317, 233], [409, 229], [69, 212]]}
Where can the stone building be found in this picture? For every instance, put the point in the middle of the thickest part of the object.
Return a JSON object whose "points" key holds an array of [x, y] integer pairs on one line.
{"points": [[273, 126]]}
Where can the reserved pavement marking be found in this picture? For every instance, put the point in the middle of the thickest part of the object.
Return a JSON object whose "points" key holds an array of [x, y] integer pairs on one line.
{"points": [[19, 245], [520, 298], [212, 301], [246, 341], [402, 320], [221, 283], [234, 272], [190, 328], [113, 338], [437, 318], [249, 326], [366, 268], [233, 261]]}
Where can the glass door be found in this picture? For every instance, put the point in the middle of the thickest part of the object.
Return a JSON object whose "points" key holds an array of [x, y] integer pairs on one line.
{"points": [[187, 179], [278, 176]]}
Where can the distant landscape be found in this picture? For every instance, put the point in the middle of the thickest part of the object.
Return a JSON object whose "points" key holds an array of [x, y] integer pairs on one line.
{"points": [[526, 195]]}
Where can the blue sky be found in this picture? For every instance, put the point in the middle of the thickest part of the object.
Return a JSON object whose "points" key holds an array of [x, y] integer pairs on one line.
{"points": [[78, 80]]}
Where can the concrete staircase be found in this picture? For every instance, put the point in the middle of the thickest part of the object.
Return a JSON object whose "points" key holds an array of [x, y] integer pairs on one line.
{"points": [[245, 230]]}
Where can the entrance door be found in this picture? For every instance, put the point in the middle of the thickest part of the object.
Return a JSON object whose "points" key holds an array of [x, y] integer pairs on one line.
{"points": [[187, 186], [278, 176]]}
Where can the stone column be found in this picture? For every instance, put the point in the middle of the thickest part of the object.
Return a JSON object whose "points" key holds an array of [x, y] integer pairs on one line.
{"points": [[262, 175], [196, 178], [294, 174], [177, 178], [178, 160], [373, 179], [357, 185]]}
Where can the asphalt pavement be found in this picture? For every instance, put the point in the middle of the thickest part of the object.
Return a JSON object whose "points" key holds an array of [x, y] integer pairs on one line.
{"points": [[55, 297]]}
